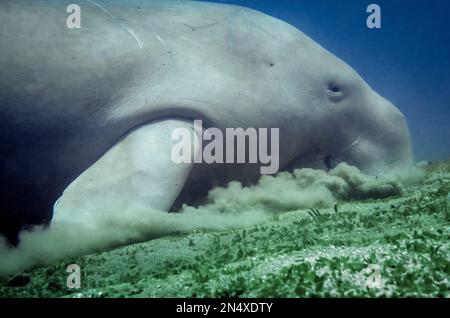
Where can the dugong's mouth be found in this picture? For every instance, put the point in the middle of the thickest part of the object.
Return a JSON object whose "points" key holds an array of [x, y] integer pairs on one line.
{"points": [[327, 162], [331, 162]]}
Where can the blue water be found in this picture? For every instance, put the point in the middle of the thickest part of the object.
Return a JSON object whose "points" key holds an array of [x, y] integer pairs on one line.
{"points": [[407, 60]]}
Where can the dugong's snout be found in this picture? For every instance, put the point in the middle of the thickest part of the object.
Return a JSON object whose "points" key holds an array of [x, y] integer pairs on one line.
{"points": [[385, 142]]}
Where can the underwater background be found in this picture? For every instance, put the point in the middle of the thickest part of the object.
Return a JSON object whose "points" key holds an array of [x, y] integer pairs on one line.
{"points": [[407, 61]]}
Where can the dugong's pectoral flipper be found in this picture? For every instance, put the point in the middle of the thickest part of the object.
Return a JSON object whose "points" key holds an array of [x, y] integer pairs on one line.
{"points": [[137, 173]]}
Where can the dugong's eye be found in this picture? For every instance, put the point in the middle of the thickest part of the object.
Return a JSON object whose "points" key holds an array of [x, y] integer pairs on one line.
{"points": [[335, 92], [334, 88]]}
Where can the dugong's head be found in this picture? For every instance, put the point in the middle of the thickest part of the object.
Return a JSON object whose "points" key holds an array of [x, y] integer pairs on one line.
{"points": [[348, 120], [337, 116]]}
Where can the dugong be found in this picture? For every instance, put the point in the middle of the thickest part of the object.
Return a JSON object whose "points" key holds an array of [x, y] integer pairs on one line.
{"points": [[87, 113]]}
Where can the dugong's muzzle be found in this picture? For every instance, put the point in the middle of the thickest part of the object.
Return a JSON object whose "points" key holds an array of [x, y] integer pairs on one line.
{"points": [[384, 143]]}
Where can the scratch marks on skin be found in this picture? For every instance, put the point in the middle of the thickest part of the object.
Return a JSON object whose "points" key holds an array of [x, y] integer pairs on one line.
{"points": [[126, 28], [354, 143], [230, 33], [186, 38], [181, 37], [249, 23], [160, 39], [245, 21], [165, 46], [195, 28], [228, 20]]}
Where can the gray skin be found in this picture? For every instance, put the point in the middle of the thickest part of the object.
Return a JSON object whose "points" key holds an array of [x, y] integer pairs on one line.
{"points": [[68, 95]]}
